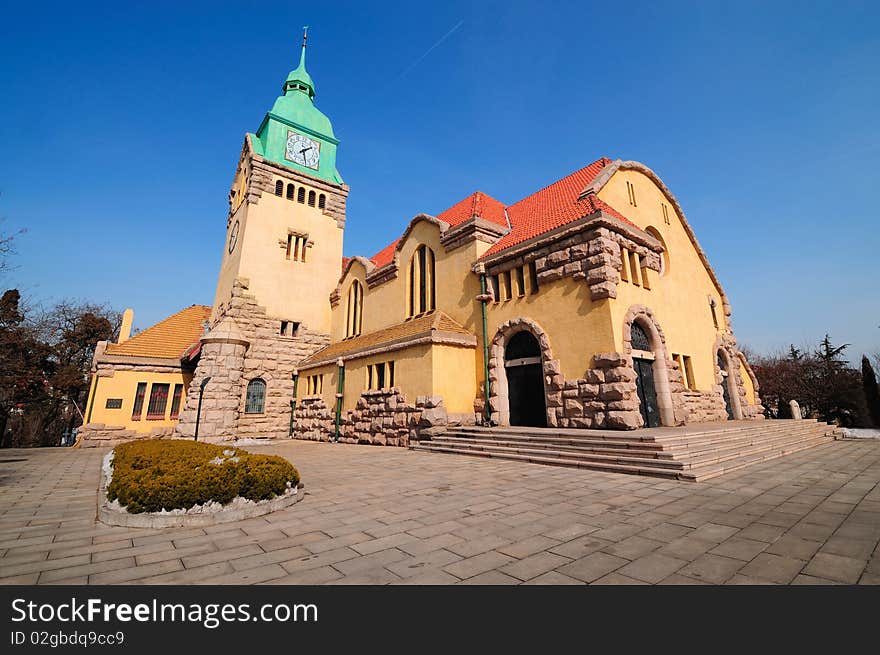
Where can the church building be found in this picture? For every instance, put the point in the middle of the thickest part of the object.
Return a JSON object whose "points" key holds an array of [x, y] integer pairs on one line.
{"points": [[585, 304]]}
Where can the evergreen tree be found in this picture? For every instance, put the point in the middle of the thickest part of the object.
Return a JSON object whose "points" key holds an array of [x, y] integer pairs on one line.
{"points": [[872, 393]]}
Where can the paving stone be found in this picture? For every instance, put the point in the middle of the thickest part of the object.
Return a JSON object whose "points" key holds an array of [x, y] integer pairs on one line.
{"points": [[412, 566], [739, 548], [793, 546], [712, 568], [652, 568], [534, 565], [773, 568], [491, 578], [633, 547], [617, 579], [835, 567], [554, 578], [472, 566], [592, 567]]}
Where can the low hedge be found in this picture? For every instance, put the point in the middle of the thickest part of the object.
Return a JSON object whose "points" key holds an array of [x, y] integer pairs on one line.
{"points": [[149, 476]]}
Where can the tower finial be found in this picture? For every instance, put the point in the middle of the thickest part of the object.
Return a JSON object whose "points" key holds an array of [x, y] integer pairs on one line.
{"points": [[302, 56], [305, 34]]}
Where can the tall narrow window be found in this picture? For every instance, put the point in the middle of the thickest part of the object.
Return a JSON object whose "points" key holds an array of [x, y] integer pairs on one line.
{"points": [[421, 281], [354, 317], [322, 201], [634, 268], [390, 374], [631, 193], [380, 376], [301, 194], [533, 277], [289, 244], [508, 289], [311, 198], [520, 281], [158, 402], [255, 398], [689, 372], [138, 407], [175, 401], [290, 189], [279, 188], [495, 283], [714, 315], [624, 264], [665, 213]]}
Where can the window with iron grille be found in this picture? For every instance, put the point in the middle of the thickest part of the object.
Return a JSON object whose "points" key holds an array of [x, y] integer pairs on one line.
{"points": [[138, 407], [255, 399], [158, 402], [322, 201], [114, 403], [279, 188], [175, 400]]}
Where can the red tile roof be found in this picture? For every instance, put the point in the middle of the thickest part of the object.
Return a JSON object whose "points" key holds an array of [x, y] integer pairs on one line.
{"points": [[476, 204], [385, 255], [553, 206]]}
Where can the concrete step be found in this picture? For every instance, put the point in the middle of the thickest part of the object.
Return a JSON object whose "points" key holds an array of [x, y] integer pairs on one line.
{"points": [[555, 461], [709, 471], [557, 453], [690, 453]]}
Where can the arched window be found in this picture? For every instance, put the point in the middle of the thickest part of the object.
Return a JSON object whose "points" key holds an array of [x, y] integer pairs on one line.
{"points": [[322, 201], [421, 281], [301, 194], [255, 399], [354, 319], [279, 188], [311, 198], [639, 338], [290, 192]]}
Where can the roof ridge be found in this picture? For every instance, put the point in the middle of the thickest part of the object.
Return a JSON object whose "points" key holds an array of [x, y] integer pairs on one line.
{"points": [[605, 161]]}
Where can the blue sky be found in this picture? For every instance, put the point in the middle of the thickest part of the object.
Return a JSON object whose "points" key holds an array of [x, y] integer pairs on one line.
{"points": [[121, 127]]}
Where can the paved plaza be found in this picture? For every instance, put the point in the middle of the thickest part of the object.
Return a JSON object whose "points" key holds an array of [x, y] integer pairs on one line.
{"points": [[379, 515]]}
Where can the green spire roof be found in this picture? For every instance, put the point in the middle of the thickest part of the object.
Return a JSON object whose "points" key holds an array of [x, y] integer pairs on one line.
{"points": [[295, 111], [299, 76]]}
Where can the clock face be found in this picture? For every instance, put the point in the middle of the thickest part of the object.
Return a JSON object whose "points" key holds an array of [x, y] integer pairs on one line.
{"points": [[233, 237], [303, 150]]}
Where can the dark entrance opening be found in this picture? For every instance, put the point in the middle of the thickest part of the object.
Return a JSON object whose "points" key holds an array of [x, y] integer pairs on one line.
{"points": [[725, 388], [644, 369], [525, 381]]}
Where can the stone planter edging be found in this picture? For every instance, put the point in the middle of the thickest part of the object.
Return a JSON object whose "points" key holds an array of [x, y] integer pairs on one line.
{"points": [[228, 513]]}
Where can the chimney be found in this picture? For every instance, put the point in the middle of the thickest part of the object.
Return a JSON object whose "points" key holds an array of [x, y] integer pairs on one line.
{"points": [[125, 329]]}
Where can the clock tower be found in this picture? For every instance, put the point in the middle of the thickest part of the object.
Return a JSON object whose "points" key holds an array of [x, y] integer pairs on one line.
{"points": [[282, 259], [287, 210]]}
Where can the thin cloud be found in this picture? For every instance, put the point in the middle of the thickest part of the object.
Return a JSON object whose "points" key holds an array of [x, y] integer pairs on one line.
{"points": [[431, 49]]}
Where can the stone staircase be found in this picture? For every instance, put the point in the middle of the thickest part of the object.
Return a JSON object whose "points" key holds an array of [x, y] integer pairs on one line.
{"points": [[695, 452]]}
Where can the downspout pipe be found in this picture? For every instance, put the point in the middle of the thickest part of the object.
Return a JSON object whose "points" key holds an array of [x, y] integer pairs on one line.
{"points": [[487, 390], [295, 377], [340, 386]]}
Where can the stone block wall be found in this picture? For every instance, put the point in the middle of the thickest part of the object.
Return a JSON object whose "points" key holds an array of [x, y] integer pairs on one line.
{"points": [[247, 345], [98, 435], [382, 417], [593, 256]]}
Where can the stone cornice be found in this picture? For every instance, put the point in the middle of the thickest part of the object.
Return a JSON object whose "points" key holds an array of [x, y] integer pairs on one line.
{"points": [[523, 252], [475, 228]]}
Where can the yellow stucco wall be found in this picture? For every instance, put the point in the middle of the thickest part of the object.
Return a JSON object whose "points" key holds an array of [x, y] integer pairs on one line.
{"points": [[123, 385], [680, 297], [386, 304], [577, 326], [288, 289], [420, 370]]}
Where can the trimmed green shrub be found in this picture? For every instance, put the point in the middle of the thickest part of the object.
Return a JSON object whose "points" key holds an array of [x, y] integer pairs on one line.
{"points": [[149, 476]]}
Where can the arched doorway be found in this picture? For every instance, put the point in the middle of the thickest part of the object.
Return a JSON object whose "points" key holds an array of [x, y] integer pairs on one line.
{"points": [[525, 380], [725, 385], [644, 370]]}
